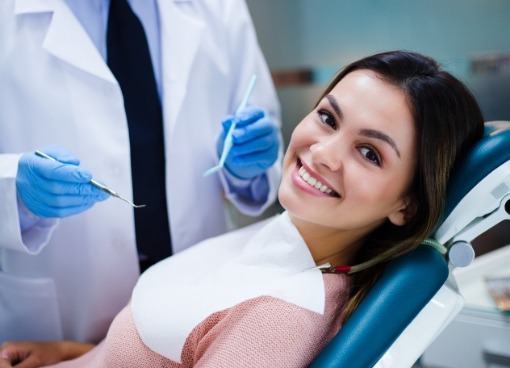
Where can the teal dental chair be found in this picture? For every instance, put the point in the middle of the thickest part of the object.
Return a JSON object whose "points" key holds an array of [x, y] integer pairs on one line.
{"points": [[417, 297]]}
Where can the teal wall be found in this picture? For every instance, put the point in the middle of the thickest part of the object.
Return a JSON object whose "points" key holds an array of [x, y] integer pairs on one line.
{"points": [[327, 34]]}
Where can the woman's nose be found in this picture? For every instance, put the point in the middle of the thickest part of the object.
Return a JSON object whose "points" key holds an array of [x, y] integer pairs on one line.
{"points": [[328, 152]]}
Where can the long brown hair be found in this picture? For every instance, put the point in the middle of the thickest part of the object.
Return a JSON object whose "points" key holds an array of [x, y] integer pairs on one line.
{"points": [[447, 121]]}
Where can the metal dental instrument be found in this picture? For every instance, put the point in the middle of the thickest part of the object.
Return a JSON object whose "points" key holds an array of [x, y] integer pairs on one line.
{"points": [[228, 138], [95, 183]]}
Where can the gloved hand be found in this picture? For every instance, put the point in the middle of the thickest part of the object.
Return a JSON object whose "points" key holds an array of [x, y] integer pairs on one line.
{"points": [[255, 143], [55, 188]]}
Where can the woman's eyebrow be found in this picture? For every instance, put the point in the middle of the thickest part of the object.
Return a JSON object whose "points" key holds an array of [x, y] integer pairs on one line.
{"points": [[334, 104], [371, 133]]}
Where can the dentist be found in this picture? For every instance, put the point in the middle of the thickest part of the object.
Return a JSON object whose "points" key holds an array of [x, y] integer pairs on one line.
{"points": [[65, 91]]}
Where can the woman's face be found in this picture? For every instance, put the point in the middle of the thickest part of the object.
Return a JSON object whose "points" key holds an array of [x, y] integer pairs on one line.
{"points": [[350, 161]]}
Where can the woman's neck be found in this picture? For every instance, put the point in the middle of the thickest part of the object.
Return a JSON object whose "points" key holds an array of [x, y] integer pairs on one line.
{"points": [[330, 245]]}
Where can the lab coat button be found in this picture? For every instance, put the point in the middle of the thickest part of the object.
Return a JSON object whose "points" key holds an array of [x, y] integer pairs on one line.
{"points": [[116, 170]]}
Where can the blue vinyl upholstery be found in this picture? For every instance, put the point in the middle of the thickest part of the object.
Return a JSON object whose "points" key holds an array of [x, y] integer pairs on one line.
{"points": [[398, 296], [413, 279]]}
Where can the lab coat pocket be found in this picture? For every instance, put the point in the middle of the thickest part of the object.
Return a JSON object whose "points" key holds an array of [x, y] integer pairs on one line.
{"points": [[28, 309]]}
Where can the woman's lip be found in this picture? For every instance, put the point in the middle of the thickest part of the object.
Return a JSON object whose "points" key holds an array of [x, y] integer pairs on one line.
{"points": [[325, 189]]}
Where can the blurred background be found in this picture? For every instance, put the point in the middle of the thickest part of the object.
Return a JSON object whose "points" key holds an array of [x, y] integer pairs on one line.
{"points": [[306, 41]]}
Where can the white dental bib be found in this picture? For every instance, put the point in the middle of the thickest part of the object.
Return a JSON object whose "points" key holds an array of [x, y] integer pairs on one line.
{"points": [[268, 258]]}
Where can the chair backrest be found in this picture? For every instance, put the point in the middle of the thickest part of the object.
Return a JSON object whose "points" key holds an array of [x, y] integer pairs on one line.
{"points": [[399, 305]]}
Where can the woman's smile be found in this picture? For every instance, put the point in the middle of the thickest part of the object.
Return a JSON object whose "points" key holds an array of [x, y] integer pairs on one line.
{"points": [[350, 161], [312, 183]]}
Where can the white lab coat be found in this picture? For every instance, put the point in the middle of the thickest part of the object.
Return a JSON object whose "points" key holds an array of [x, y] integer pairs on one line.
{"points": [[68, 278]]}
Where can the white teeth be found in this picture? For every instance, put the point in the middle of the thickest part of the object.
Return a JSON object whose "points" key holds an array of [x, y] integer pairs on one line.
{"points": [[313, 182]]}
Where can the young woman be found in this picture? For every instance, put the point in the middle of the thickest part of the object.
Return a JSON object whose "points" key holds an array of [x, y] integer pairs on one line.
{"points": [[364, 181]]}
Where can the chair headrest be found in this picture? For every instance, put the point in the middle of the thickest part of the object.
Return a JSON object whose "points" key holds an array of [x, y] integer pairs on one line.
{"points": [[486, 155], [398, 296]]}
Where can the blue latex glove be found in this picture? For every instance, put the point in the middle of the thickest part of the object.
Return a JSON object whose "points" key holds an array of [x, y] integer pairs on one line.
{"points": [[55, 189], [255, 143]]}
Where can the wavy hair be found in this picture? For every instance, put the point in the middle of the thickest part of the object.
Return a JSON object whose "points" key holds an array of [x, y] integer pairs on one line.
{"points": [[448, 120]]}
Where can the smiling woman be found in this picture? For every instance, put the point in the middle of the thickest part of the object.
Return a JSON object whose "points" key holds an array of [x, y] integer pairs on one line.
{"points": [[360, 143], [446, 120], [364, 178]]}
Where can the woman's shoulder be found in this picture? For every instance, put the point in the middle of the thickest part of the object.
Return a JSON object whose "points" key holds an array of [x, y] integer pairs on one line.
{"points": [[271, 329]]}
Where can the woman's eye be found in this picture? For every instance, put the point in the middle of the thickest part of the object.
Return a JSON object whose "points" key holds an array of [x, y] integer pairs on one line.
{"points": [[370, 155], [326, 118]]}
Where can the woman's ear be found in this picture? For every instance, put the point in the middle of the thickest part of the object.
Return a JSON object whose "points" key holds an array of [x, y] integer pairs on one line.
{"points": [[403, 214]]}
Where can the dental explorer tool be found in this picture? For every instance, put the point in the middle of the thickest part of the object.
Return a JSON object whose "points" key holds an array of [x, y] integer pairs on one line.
{"points": [[228, 138], [104, 188]]}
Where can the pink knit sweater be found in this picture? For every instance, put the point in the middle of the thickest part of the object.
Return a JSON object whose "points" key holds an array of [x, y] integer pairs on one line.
{"points": [[260, 332]]}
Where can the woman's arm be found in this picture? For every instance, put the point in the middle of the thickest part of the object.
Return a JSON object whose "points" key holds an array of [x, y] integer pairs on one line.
{"points": [[38, 354]]}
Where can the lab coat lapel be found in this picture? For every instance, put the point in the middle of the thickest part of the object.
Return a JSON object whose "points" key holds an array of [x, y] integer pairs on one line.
{"points": [[181, 36], [65, 38]]}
